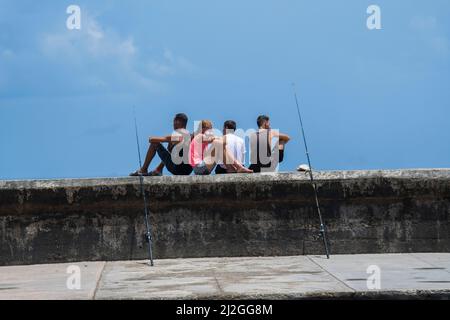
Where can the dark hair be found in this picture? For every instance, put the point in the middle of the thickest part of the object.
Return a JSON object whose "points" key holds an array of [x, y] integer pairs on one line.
{"points": [[261, 120], [182, 118], [230, 125]]}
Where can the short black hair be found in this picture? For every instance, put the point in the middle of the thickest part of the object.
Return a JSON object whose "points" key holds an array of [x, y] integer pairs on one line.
{"points": [[182, 118], [230, 125], [261, 119]]}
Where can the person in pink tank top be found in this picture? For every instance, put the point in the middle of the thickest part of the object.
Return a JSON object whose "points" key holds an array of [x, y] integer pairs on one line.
{"points": [[205, 148]]}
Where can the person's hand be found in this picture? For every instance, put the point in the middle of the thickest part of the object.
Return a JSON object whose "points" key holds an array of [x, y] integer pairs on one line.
{"points": [[209, 136], [175, 138]]}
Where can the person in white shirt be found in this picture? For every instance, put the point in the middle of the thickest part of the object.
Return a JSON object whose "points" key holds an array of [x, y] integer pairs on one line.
{"points": [[235, 146]]}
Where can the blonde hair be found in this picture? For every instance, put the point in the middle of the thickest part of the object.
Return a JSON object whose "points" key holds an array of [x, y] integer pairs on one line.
{"points": [[204, 124]]}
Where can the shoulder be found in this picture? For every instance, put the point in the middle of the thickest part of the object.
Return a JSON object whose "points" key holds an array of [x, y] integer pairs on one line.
{"points": [[234, 138], [180, 132], [240, 140], [197, 137], [184, 131]]}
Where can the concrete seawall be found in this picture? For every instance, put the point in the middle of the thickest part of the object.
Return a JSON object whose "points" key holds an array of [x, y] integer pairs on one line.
{"points": [[394, 211]]}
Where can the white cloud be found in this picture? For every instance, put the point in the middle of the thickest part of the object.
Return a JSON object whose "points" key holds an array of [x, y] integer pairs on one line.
{"points": [[90, 41], [93, 29], [117, 60], [159, 69], [170, 65]]}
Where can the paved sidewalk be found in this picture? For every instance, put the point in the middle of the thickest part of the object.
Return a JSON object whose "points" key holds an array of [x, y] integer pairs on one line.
{"points": [[422, 275]]}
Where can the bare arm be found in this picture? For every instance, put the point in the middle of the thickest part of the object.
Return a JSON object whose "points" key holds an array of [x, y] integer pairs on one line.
{"points": [[281, 136], [171, 139], [208, 138], [158, 139]]}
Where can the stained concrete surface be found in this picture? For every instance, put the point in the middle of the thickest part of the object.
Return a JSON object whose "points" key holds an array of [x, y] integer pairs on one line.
{"points": [[376, 211], [343, 276], [48, 281], [217, 278], [397, 271]]}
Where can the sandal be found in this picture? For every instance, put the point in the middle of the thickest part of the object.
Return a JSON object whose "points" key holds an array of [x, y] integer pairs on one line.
{"points": [[137, 173]]}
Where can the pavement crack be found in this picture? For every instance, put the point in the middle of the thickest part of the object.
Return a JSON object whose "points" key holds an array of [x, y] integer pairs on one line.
{"points": [[97, 284], [219, 287], [332, 275]]}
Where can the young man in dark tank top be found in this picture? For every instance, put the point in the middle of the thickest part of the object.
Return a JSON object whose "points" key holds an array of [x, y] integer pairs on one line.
{"points": [[264, 157]]}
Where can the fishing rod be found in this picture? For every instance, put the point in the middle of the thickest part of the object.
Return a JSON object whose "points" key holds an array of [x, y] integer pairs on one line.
{"points": [[148, 234], [323, 233]]}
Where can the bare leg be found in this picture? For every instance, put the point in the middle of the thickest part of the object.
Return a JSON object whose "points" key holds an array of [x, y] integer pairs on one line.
{"points": [[149, 157], [159, 169], [237, 167], [229, 161], [210, 157]]}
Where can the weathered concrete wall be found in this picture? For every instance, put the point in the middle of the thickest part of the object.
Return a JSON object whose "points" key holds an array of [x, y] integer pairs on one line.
{"points": [[234, 215]]}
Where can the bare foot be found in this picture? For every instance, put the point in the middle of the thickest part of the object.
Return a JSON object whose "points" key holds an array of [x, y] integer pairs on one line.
{"points": [[244, 170]]}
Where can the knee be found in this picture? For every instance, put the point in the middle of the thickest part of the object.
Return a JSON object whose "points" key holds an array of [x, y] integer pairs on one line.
{"points": [[218, 144], [209, 160]]}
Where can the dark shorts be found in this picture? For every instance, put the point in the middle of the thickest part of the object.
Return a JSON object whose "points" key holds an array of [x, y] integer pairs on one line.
{"points": [[183, 169], [202, 171], [220, 170], [256, 167]]}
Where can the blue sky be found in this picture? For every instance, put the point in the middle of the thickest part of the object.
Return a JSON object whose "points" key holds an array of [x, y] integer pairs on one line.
{"points": [[371, 99]]}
